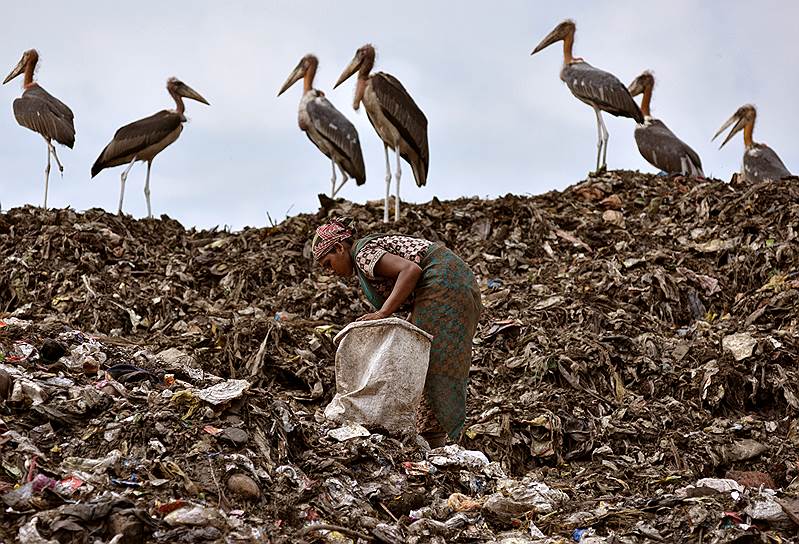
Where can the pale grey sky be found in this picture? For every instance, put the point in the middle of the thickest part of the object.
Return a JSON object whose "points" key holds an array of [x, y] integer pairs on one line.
{"points": [[500, 120]]}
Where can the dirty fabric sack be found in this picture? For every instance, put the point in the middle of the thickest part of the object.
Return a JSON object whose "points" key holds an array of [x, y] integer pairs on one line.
{"points": [[380, 374]]}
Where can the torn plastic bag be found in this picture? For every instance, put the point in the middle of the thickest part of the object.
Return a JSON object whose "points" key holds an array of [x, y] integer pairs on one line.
{"points": [[381, 368]]}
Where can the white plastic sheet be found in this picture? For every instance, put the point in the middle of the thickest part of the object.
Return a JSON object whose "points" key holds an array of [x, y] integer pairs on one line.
{"points": [[223, 392], [380, 374]]}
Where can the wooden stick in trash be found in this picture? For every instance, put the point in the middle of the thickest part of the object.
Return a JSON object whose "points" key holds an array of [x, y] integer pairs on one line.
{"points": [[326, 527]]}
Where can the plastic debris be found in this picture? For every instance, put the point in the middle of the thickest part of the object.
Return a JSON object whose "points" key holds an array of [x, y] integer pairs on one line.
{"points": [[223, 392], [740, 345], [22, 352], [766, 508], [348, 431], [20, 498], [721, 485], [87, 355], [29, 534], [196, 515], [454, 455]]}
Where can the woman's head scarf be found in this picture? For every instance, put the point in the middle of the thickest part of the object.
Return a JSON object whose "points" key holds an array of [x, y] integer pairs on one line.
{"points": [[328, 235]]}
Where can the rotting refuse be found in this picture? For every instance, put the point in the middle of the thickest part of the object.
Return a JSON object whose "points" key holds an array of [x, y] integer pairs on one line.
{"points": [[634, 376]]}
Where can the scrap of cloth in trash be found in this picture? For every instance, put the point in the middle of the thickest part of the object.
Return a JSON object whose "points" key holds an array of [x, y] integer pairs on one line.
{"points": [[446, 304], [327, 236]]}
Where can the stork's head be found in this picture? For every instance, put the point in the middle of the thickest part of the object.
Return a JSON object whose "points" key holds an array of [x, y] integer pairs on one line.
{"points": [[307, 63], [745, 116], [177, 88], [561, 32], [31, 56], [643, 82], [363, 61]]}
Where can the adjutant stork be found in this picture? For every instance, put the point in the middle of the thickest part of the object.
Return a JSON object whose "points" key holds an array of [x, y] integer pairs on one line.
{"points": [[142, 140], [657, 144], [760, 162], [41, 112], [599, 89], [395, 116], [327, 127]]}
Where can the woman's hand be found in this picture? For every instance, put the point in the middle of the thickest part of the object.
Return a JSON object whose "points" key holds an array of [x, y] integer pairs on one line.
{"points": [[379, 314]]}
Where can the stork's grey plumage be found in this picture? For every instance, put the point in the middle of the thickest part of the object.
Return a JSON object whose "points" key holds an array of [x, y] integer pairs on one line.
{"points": [[142, 140], [664, 150], [396, 118], [134, 139], [760, 162], [338, 133], [327, 127], [599, 89], [41, 112], [656, 142], [400, 109]]}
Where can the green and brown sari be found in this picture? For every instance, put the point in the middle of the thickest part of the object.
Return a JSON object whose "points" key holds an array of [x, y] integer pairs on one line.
{"points": [[446, 304]]}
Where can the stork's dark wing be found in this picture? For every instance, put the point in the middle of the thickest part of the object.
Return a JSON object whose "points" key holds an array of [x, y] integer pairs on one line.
{"points": [[41, 112], [762, 163], [137, 136], [601, 88], [398, 106], [340, 133], [663, 149]]}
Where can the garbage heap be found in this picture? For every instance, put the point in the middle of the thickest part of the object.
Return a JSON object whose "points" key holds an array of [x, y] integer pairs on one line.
{"points": [[634, 376]]}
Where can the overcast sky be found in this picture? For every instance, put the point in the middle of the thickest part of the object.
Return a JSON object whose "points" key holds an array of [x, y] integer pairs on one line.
{"points": [[500, 120]]}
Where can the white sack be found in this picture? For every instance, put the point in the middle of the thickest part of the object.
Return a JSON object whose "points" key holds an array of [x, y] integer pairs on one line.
{"points": [[381, 368]]}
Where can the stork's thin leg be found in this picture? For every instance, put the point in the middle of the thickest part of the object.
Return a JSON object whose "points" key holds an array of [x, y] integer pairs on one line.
{"points": [[55, 156], [147, 190], [47, 176], [388, 184], [333, 179], [123, 179], [598, 136], [343, 181], [605, 138], [397, 176]]}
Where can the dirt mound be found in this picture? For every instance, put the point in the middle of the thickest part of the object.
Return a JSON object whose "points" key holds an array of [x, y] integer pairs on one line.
{"points": [[641, 333]]}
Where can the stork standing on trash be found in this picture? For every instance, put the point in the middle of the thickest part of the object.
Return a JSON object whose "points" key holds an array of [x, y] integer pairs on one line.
{"points": [[327, 127], [142, 140], [760, 162], [395, 116], [41, 112], [657, 144], [599, 89]]}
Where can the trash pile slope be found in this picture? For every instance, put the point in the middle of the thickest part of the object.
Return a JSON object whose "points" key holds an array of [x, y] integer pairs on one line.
{"points": [[634, 375]]}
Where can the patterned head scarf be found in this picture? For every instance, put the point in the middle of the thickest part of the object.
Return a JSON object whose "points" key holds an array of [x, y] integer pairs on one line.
{"points": [[328, 235]]}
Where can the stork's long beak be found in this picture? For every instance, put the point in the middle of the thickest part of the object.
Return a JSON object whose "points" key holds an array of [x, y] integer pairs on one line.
{"points": [[737, 128], [348, 71], [188, 92], [550, 38], [18, 69], [636, 87], [293, 78]]}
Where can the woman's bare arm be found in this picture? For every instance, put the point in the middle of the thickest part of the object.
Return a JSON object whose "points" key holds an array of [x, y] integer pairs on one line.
{"points": [[405, 272]]}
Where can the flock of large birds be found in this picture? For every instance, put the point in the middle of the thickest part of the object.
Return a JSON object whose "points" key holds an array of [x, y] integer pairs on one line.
{"points": [[398, 121]]}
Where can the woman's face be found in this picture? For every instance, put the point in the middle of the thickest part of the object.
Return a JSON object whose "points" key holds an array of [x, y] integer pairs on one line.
{"points": [[338, 261]]}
